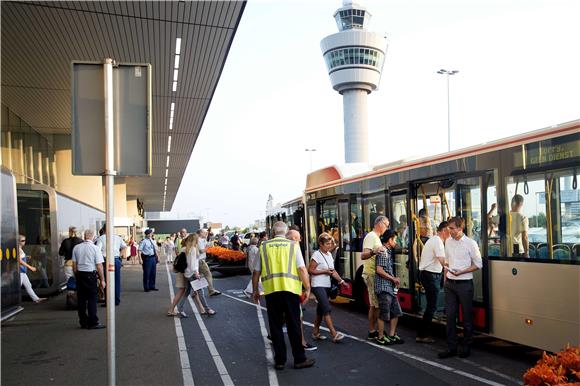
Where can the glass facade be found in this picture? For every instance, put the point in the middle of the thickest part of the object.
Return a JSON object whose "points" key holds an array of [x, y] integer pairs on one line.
{"points": [[26, 152], [350, 18], [347, 56]]}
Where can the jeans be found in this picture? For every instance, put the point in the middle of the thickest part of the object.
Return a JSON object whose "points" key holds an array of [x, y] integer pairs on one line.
{"points": [[431, 283], [459, 292], [149, 272], [188, 289]]}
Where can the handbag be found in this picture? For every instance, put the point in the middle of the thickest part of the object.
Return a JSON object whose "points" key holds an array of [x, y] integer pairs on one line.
{"points": [[334, 286]]}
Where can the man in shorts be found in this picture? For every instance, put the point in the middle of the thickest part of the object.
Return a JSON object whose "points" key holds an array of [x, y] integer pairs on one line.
{"points": [[371, 247], [385, 284]]}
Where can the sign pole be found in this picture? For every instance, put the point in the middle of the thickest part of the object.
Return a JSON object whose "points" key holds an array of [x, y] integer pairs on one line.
{"points": [[110, 208]]}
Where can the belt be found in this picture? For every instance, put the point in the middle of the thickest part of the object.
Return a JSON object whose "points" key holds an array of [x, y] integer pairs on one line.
{"points": [[459, 281]]}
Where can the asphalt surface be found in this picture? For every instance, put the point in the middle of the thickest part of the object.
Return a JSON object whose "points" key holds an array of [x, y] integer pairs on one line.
{"points": [[43, 345]]}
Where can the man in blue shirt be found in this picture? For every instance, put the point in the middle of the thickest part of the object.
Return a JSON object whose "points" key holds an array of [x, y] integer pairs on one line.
{"points": [[149, 257]]}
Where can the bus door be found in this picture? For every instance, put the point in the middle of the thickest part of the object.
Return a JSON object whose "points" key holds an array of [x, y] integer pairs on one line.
{"points": [[400, 223], [433, 202], [469, 206], [350, 230]]}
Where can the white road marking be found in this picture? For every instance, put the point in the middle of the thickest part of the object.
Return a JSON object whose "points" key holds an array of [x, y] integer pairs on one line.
{"points": [[404, 354], [183, 355], [492, 371], [223, 372], [272, 377]]}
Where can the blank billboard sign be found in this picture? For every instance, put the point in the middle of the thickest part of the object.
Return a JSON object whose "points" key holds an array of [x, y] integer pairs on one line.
{"points": [[132, 119]]}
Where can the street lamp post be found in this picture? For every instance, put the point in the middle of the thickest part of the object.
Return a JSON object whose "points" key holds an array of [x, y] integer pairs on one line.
{"points": [[310, 151], [448, 73]]}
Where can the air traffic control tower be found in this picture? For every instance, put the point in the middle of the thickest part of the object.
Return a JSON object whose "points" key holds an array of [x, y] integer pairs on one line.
{"points": [[354, 58]]}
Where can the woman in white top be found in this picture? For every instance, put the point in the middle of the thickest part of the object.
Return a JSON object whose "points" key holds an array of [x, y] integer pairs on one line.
{"points": [[253, 254], [192, 273], [322, 268]]}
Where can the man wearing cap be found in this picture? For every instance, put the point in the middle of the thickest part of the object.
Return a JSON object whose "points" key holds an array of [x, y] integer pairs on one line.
{"points": [[149, 257], [119, 247]]}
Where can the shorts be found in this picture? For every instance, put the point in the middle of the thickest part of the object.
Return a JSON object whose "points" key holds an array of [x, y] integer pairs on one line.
{"points": [[321, 294], [180, 281], [370, 283], [389, 307]]}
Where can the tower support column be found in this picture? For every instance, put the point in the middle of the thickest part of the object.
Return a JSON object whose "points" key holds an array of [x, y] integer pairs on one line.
{"points": [[355, 125]]}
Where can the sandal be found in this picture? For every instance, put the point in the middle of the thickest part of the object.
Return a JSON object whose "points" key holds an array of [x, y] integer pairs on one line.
{"points": [[318, 337], [203, 312], [170, 313], [338, 337]]}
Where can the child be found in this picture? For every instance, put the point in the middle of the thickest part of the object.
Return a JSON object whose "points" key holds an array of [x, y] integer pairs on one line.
{"points": [[386, 287]]}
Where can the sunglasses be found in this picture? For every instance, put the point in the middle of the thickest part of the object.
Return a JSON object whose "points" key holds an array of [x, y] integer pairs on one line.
{"points": [[22, 241]]}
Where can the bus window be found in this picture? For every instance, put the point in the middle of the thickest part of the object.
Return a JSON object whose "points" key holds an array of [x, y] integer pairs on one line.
{"points": [[373, 207], [470, 207], [493, 240], [312, 241], [526, 228], [34, 223], [565, 216], [400, 222], [356, 228]]}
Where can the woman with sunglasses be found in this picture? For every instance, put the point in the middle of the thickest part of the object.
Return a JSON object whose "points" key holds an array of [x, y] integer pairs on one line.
{"points": [[24, 266], [322, 268]]}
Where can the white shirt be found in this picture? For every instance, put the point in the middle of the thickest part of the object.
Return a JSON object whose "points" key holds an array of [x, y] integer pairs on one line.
{"points": [[192, 262], [118, 244], [86, 256], [253, 255], [299, 259], [324, 261], [201, 244], [434, 248], [460, 254], [519, 224]]}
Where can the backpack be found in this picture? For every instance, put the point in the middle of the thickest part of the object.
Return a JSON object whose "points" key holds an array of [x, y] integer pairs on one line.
{"points": [[180, 263]]}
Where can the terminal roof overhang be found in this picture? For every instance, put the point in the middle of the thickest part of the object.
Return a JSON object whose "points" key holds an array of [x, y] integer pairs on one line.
{"points": [[40, 39]]}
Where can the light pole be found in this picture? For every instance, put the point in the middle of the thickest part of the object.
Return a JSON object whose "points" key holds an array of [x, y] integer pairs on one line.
{"points": [[448, 73], [310, 151]]}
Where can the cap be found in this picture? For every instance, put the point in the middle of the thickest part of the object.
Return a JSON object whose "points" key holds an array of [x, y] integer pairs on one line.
{"points": [[148, 231]]}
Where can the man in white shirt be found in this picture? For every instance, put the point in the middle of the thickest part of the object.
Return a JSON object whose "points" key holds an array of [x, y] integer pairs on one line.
{"points": [[204, 270], [462, 259], [430, 267], [119, 247], [87, 264], [519, 228]]}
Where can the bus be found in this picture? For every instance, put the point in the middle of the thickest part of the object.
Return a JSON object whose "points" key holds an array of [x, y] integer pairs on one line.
{"points": [[533, 300]]}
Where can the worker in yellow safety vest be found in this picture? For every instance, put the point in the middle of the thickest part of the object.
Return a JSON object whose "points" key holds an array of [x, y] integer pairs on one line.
{"points": [[283, 272]]}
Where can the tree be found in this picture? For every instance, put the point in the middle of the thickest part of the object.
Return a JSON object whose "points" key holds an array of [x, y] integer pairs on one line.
{"points": [[227, 228]]}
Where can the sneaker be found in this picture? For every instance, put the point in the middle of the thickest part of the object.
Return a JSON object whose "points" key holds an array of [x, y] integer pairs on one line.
{"points": [[396, 339], [319, 337], [384, 341], [373, 335], [309, 347], [426, 339], [182, 315], [215, 293]]}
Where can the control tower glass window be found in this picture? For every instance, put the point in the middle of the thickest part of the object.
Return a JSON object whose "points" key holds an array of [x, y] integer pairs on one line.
{"points": [[354, 56], [350, 18]]}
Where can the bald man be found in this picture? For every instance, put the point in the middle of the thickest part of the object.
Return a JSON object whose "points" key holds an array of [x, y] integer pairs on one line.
{"points": [[294, 235]]}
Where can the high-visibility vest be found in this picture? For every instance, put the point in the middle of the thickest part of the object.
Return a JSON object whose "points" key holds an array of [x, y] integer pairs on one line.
{"points": [[279, 271]]}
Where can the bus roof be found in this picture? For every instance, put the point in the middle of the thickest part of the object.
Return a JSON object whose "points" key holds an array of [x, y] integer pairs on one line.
{"points": [[335, 175]]}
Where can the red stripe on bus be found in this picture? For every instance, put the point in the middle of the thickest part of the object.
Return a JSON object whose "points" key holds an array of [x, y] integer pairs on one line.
{"points": [[478, 316], [405, 301]]}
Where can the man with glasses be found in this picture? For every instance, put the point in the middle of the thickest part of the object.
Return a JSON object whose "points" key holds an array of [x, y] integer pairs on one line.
{"points": [[462, 258], [371, 247], [24, 266]]}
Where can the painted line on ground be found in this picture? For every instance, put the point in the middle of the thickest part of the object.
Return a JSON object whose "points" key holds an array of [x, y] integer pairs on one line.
{"points": [[183, 355], [272, 377], [217, 359], [400, 353], [492, 371]]}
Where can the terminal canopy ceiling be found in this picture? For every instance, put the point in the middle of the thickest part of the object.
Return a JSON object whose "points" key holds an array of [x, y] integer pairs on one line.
{"points": [[40, 39]]}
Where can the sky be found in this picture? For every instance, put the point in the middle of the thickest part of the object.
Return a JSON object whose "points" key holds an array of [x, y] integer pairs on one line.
{"points": [[519, 70]]}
